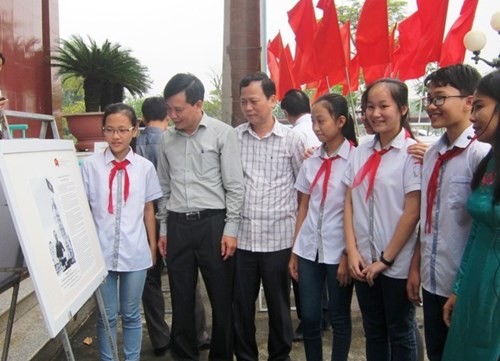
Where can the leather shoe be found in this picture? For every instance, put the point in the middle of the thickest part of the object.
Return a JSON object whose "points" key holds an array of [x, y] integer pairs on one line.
{"points": [[160, 351], [205, 345]]}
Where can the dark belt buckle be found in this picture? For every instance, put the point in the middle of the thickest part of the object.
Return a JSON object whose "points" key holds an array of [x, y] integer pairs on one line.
{"points": [[193, 216]]}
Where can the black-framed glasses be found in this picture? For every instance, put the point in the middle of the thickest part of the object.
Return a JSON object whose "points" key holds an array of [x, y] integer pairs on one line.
{"points": [[439, 100], [120, 131]]}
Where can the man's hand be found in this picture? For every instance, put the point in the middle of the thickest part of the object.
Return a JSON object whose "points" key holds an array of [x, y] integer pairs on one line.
{"points": [[228, 247], [162, 246]]}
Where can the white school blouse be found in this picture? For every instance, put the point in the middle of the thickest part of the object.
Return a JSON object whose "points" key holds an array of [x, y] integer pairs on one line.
{"points": [[322, 232], [122, 235], [375, 219], [442, 249]]}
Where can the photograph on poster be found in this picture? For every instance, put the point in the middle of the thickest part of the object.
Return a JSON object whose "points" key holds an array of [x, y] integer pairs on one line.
{"points": [[55, 226], [43, 187]]}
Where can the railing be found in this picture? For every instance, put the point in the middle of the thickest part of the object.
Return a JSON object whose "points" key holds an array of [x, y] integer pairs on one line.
{"points": [[44, 118]]}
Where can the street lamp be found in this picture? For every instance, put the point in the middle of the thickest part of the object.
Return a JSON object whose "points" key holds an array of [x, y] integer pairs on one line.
{"points": [[475, 41]]}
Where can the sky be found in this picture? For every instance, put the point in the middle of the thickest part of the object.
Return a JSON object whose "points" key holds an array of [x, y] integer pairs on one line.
{"points": [[172, 36]]}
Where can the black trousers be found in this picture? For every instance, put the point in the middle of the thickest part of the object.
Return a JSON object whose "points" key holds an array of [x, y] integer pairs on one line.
{"points": [[153, 304], [194, 245], [272, 269], [434, 326]]}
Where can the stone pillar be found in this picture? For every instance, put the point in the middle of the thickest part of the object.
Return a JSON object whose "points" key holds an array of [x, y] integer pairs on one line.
{"points": [[242, 52]]}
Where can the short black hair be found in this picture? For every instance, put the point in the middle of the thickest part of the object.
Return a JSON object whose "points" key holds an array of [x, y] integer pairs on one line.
{"points": [[296, 102], [154, 108], [463, 77], [3, 58], [188, 83], [268, 86]]}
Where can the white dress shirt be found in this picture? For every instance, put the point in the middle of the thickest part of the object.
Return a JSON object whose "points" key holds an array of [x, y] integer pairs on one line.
{"points": [[304, 125], [441, 249], [270, 167]]}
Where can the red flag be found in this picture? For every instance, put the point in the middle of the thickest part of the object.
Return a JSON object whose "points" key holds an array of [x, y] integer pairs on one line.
{"points": [[350, 79], [453, 50], [352, 83], [302, 20], [273, 52], [409, 34], [328, 43], [432, 16], [286, 78], [374, 72], [372, 34], [275, 45], [321, 89]]}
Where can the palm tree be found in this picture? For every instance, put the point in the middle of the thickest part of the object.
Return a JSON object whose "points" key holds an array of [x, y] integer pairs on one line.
{"points": [[106, 70]]}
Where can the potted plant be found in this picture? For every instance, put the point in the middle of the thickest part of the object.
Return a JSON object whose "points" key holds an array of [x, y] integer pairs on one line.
{"points": [[106, 70]]}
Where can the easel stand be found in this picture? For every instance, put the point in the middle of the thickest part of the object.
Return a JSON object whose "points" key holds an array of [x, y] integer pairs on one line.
{"points": [[102, 310], [65, 339], [68, 351]]}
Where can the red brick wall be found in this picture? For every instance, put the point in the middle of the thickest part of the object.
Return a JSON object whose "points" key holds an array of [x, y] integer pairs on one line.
{"points": [[29, 29]]}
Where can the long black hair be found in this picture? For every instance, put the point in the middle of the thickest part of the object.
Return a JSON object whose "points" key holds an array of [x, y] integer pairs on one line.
{"points": [[489, 86]]}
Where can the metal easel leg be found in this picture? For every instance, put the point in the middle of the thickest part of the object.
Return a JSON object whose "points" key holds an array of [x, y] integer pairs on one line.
{"points": [[67, 345], [102, 310], [10, 321]]}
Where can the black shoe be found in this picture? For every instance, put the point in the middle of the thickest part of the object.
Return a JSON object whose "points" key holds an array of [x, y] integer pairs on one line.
{"points": [[205, 345], [160, 351]]}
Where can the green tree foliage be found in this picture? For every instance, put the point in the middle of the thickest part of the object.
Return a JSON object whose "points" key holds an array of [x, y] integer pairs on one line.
{"points": [[213, 105], [352, 9], [106, 70], [73, 99]]}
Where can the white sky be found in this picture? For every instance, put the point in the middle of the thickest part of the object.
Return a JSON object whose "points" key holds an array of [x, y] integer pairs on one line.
{"points": [[171, 36]]}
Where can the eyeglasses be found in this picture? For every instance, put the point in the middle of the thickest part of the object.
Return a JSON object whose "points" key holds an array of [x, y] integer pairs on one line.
{"points": [[439, 100], [121, 132]]}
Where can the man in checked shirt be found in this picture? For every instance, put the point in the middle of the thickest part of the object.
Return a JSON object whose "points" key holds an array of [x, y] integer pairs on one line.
{"points": [[271, 157]]}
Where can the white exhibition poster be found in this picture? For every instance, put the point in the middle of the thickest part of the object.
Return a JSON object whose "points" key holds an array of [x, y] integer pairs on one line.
{"points": [[44, 190]]}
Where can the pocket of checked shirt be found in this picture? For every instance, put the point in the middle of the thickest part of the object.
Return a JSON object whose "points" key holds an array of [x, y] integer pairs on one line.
{"points": [[459, 192], [275, 167], [210, 164]]}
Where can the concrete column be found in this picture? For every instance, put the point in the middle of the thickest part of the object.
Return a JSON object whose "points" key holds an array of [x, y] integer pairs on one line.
{"points": [[242, 52]]}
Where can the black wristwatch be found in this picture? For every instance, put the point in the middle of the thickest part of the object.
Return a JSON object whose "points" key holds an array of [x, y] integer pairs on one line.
{"points": [[384, 261]]}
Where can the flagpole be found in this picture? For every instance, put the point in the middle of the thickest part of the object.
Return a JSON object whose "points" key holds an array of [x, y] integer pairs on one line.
{"points": [[263, 32], [353, 110]]}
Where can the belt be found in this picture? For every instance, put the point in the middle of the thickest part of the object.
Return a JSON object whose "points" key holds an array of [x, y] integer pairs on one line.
{"points": [[195, 216]]}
